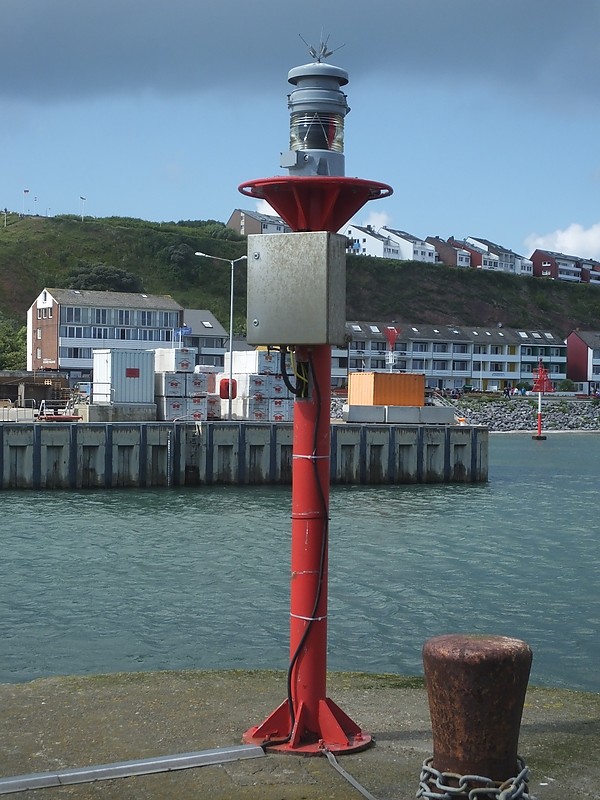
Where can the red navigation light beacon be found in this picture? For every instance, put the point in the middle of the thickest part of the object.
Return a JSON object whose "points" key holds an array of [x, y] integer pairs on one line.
{"points": [[297, 302], [541, 384]]}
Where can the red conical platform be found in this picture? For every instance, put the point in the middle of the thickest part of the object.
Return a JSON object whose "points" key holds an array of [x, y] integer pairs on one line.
{"points": [[315, 202]]}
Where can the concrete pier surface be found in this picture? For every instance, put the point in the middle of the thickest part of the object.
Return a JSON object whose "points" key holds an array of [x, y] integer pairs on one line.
{"points": [[54, 724]]}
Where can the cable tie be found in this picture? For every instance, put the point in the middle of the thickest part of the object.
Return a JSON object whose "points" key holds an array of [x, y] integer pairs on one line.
{"points": [[308, 619], [310, 457]]}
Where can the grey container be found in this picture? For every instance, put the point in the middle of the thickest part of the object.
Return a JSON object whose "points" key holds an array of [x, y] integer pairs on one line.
{"points": [[123, 376]]}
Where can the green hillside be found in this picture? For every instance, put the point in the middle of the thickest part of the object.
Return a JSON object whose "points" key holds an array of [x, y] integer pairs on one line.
{"points": [[56, 251]]}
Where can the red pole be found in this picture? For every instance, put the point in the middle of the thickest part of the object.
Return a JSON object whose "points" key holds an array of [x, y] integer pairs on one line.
{"points": [[308, 720], [310, 520]]}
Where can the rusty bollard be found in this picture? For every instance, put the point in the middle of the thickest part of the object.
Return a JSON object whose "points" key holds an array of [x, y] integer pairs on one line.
{"points": [[476, 689]]}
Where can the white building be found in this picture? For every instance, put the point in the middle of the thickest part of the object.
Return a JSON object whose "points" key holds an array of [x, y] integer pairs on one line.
{"points": [[451, 356], [411, 247], [65, 325], [507, 260], [366, 241]]}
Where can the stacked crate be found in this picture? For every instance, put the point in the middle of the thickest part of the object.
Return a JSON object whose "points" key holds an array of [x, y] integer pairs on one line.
{"points": [[261, 390], [182, 389]]}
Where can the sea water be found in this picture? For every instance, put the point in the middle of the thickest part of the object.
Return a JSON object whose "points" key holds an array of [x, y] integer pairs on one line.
{"points": [[128, 580]]}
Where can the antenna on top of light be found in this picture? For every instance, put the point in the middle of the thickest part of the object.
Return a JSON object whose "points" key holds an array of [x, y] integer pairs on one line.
{"points": [[322, 52]]}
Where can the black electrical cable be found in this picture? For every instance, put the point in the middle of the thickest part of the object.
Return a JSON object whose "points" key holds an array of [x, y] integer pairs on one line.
{"points": [[323, 555], [297, 391]]}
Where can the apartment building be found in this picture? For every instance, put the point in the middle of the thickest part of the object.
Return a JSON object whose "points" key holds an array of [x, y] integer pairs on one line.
{"points": [[583, 358], [563, 267], [366, 241], [202, 331], [412, 248], [252, 222], [451, 357], [508, 261], [452, 256], [65, 325]]}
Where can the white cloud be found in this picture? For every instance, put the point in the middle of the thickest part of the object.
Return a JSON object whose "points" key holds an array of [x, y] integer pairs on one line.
{"points": [[377, 219], [574, 240], [262, 207]]}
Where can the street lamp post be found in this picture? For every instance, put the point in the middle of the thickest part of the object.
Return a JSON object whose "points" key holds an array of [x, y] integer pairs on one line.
{"points": [[232, 262]]}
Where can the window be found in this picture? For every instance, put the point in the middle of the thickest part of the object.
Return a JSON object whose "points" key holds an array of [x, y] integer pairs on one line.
{"points": [[38, 352], [459, 348], [418, 363], [73, 314], [440, 347], [207, 324], [495, 349], [124, 316], [440, 366], [459, 366], [39, 314], [378, 346], [420, 347], [39, 333]]}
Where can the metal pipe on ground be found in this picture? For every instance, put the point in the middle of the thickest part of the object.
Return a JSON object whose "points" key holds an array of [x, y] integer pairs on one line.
{"points": [[128, 769]]}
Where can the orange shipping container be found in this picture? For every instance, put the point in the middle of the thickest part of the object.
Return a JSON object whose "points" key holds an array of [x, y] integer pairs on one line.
{"points": [[386, 389]]}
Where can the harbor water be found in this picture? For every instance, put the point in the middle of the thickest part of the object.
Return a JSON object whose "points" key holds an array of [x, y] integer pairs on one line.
{"points": [[129, 580]]}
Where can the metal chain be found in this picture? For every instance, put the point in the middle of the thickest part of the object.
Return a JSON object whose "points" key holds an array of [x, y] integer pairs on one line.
{"points": [[512, 789]]}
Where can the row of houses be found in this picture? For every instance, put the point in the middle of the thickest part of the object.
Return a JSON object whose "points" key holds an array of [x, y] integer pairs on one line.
{"points": [[470, 253], [65, 326]]}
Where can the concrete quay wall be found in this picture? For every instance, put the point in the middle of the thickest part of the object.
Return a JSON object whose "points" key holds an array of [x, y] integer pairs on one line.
{"points": [[83, 455]]}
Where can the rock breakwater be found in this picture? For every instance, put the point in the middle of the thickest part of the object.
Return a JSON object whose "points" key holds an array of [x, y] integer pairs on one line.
{"points": [[520, 413]]}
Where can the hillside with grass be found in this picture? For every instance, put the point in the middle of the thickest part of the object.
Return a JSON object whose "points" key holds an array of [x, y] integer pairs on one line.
{"points": [[158, 258]]}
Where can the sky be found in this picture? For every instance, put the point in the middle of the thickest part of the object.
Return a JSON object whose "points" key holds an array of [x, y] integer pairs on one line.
{"points": [[483, 115]]}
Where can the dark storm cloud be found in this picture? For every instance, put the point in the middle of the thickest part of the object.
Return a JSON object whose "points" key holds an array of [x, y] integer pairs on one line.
{"points": [[70, 49]]}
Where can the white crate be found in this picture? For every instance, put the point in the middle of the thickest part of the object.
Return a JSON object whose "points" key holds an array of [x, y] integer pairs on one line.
{"points": [[253, 385], [200, 383], [278, 387], [197, 408], [170, 408], [175, 359], [281, 410], [247, 408], [169, 384], [213, 406], [263, 362]]}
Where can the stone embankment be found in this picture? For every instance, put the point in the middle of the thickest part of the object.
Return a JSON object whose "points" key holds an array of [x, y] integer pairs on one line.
{"points": [[520, 413]]}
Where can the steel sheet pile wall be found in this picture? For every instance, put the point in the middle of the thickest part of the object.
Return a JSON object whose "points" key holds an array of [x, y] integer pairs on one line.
{"points": [[98, 455]]}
